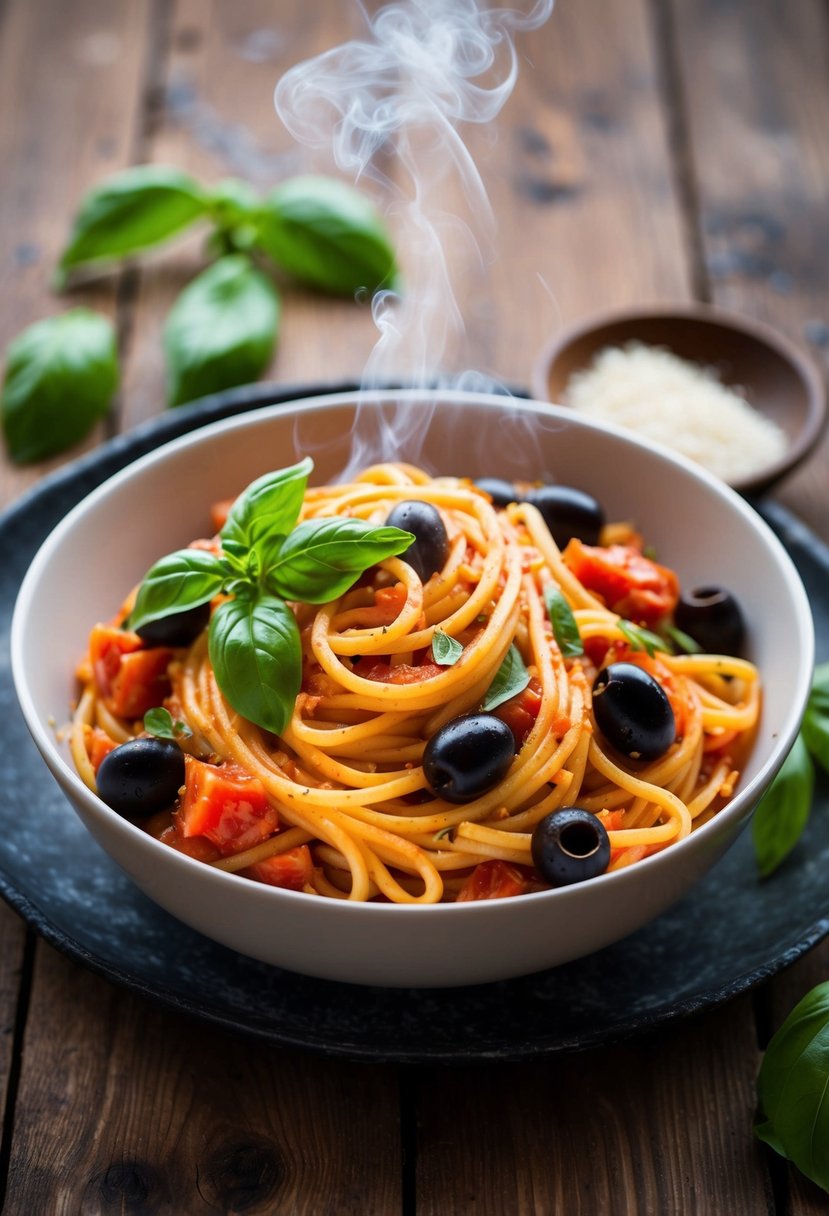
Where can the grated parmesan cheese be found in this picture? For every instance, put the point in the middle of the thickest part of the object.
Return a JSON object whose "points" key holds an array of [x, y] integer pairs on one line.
{"points": [[680, 404]]}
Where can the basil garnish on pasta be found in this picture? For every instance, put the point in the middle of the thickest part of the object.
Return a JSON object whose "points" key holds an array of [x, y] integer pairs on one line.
{"points": [[266, 559], [565, 629]]}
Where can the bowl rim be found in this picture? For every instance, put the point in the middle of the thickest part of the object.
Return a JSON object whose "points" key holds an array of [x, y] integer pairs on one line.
{"points": [[804, 367], [65, 773]]}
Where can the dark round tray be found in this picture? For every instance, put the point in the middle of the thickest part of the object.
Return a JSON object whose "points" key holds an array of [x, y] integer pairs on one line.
{"points": [[730, 933]]}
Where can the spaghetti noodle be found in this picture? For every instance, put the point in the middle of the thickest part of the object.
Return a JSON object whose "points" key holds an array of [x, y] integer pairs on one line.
{"points": [[350, 812]]}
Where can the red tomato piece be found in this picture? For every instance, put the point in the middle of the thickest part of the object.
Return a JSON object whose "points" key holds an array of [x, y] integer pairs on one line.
{"points": [[521, 711], [634, 586], [225, 804], [129, 677], [402, 673], [493, 880], [293, 869], [98, 745]]}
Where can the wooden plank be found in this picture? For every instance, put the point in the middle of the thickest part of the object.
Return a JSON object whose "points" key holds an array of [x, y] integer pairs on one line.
{"points": [[636, 1129], [71, 78], [127, 1107], [754, 76], [13, 995]]}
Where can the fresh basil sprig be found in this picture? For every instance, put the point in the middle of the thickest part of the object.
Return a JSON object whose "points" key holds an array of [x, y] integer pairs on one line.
{"points": [[159, 723], [266, 559], [565, 629], [781, 815], [445, 650], [793, 1088], [641, 639], [511, 678]]}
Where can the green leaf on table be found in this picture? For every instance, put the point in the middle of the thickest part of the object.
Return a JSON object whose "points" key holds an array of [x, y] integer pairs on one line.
{"points": [[256, 654], [130, 212], [793, 1088], [565, 629], [159, 722], [177, 582], [322, 558], [234, 208], [445, 650], [815, 726], [221, 330], [783, 811], [61, 375], [268, 508], [328, 235], [511, 678]]}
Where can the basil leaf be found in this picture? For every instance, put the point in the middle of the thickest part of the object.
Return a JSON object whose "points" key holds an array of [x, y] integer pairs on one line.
{"points": [[234, 209], [783, 811], [221, 330], [177, 582], [511, 678], [267, 509], [815, 726], [793, 1088], [131, 211], [328, 235], [255, 650], [61, 375], [565, 629], [159, 722], [445, 650], [681, 639], [322, 558], [641, 639]]}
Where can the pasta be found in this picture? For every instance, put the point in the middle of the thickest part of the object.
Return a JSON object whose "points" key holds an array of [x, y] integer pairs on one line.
{"points": [[352, 814]]}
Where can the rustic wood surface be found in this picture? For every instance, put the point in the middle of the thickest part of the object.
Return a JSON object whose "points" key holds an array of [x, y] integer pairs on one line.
{"points": [[653, 150]]}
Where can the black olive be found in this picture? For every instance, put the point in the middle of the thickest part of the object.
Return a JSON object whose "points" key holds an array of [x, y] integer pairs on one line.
{"points": [[501, 492], [430, 548], [570, 845], [633, 712], [712, 617], [177, 629], [468, 756], [141, 777], [568, 512]]}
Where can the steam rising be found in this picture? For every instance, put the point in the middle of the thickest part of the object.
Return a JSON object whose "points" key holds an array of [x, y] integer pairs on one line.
{"points": [[393, 104]]}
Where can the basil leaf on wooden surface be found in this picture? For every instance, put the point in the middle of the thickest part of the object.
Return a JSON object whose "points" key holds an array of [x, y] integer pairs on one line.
{"points": [[815, 726], [61, 375], [179, 581], [234, 208], [783, 811], [322, 558], [793, 1088], [511, 678], [221, 330], [565, 629], [132, 211], [159, 722], [328, 235], [255, 650], [445, 650], [267, 509]]}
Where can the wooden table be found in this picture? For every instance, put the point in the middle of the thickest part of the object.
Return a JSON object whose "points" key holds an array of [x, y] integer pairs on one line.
{"points": [[651, 151]]}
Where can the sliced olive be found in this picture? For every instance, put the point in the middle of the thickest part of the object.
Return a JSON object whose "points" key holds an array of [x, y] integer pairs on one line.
{"points": [[713, 618], [141, 777], [430, 548], [569, 512], [501, 492], [468, 756], [570, 845], [177, 629], [633, 712]]}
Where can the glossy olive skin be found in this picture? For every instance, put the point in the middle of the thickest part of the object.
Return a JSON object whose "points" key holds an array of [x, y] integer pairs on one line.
{"points": [[633, 712], [468, 756], [501, 492], [141, 777], [569, 512], [177, 629], [430, 548], [713, 618], [570, 845]]}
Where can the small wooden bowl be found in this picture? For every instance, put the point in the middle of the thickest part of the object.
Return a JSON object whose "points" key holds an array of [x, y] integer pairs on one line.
{"points": [[776, 377]]}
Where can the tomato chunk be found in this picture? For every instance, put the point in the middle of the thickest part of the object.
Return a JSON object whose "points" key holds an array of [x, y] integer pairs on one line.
{"points": [[401, 673], [225, 804], [98, 745], [493, 880], [634, 586], [129, 677], [521, 711], [293, 869]]}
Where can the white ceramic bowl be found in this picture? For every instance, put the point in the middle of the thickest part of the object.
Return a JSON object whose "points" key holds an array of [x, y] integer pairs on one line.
{"points": [[697, 525]]}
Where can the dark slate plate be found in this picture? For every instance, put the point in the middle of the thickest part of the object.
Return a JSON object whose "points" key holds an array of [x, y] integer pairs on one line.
{"points": [[729, 934]]}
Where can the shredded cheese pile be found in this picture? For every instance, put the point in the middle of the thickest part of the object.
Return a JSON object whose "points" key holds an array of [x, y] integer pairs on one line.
{"points": [[680, 404]]}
